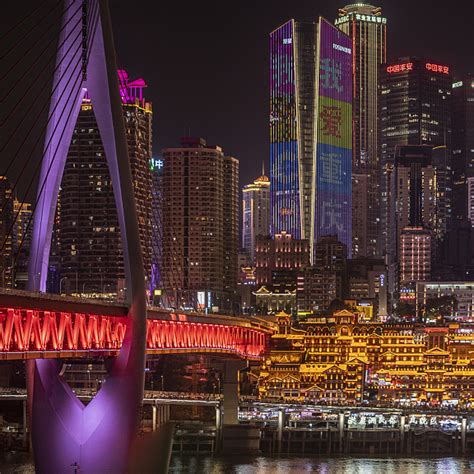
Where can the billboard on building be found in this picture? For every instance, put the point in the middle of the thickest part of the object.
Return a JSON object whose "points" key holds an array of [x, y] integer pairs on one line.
{"points": [[334, 136], [284, 173]]}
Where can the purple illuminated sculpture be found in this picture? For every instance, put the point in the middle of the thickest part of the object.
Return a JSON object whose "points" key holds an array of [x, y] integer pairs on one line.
{"points": [[65, 433]]}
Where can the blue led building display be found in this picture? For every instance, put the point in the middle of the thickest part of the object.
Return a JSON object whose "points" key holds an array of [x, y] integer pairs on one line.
{"points": [[284, 172], [311, 131], [333, 193]]}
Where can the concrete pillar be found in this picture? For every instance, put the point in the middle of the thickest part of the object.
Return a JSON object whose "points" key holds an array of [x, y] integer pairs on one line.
{"points": [[154, 417], [236, 438], [341, 430], [218, 427], [231, 391], [218, 417], [25, 425], [402, 433], [281, 424], [463, 434], [160, 415]]}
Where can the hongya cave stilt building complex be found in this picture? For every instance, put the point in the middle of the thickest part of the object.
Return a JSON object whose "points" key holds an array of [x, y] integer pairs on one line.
{"points": [[340, 359]]}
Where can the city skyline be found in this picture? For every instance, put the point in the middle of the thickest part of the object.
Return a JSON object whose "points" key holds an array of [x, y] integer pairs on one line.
{"points": [[242, 53], [340, 323]]}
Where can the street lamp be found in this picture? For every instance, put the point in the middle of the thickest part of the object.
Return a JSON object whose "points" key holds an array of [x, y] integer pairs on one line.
{"points": [[104, 288], [61, 284]]}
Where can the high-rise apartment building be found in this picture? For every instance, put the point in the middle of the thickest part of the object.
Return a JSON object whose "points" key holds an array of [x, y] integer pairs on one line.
{"points": [[156, 168], [415, 256], [415, 109], [255, 213], [231, 231], [331, 254], [414, 193], [368, 30], [325, 281], [88, 234], [463, 149], [418, 191], [22, 232], [470, 199], [316, 290], [6, 237], [368, 282], [200, 225], [282, 253], [311, 131]]}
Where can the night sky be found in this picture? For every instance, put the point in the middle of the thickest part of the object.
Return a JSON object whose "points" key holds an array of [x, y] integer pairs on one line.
{"points": [[206, 62]]}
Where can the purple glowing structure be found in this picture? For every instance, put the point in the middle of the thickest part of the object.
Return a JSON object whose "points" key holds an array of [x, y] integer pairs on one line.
{"points": [[65, 433]]}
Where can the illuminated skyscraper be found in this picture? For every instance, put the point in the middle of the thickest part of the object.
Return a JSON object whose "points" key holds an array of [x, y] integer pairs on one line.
{"points": [[22, 232], [281, 253], [368, 30], [415, 256], [88, 235], [255, 213], [6, 241], [463, 149], [231, 230], [310, 131], [156, 244], [415, 109], [418, 193]]}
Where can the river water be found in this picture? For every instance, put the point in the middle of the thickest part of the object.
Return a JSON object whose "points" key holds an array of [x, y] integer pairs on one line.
{"points": [[20, 463], [339, 465]]}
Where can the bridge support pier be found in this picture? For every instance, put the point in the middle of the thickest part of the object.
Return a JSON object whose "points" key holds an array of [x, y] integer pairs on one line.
{"points": [[218, 426], [26, 432], [402, 433], [463, 434], [161, 415], [231, 391], [341, 431], [281, 425], [235, 437]]}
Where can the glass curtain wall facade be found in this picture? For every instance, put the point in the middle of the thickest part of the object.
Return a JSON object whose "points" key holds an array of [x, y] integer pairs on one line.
{"points": [[368, 30], [415, 109], [310, 131], [292, 76], [463, 149], [333, 187]]}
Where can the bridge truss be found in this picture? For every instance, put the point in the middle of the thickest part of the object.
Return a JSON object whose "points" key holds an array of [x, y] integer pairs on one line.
{"points": [[41, 334]]}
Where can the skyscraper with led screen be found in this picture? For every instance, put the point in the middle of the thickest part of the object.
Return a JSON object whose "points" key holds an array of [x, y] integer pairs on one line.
{"points": [[311, 131]]}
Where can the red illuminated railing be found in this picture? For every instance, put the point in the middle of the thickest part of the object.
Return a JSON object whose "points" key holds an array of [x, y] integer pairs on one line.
{"points": [[28, 333]]}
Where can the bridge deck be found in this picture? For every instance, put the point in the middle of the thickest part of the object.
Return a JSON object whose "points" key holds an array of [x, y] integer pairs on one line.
{"points": [[38, 325]]}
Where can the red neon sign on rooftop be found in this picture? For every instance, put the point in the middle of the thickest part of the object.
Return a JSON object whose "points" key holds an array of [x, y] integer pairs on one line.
{"points": [[400, 68], [437, 68], [404, 67]]}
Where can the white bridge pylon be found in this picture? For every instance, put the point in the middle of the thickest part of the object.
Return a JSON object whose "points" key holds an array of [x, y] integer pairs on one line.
{"points": [[98, 437]]}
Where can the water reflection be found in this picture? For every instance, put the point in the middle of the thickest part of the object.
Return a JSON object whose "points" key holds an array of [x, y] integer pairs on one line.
{"points": [[21, 463], [342, 465]]}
